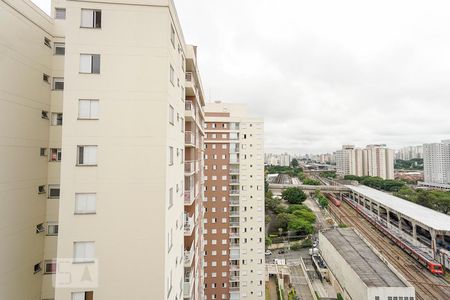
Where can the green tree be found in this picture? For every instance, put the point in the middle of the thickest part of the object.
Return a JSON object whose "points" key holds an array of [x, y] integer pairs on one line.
{"points": [[309, 181], [294, 207], [328, 174], [272, 203], [306, 215], [294, 195], [268, 241], [282, 220], [300, 225], [294, 163]]}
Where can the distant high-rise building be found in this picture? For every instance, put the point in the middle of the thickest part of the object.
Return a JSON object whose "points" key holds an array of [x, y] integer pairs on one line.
{"points": [[234, 203], [436, 159], [374, 160], [410, 152], [285, 160]]}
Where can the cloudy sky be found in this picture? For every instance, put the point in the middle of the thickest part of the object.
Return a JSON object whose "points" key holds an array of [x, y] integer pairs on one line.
{"points": [[326, 73]]}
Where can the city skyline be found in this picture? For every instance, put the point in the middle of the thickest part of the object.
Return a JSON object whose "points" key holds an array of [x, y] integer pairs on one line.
{"points": [[392, 86]]}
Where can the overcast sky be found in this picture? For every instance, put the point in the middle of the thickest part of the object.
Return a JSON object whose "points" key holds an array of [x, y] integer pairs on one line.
{"points": [[327, 73]]}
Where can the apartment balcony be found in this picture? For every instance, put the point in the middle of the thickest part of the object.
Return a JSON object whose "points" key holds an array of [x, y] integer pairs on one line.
{"points": [[234, 213], [188, 286], [234, 202], [189, 196], [234, 192], [234, 160], [234, 234], [234, 267], [234, 181], [189, 167], [189, 256], [234, 223], [234, 278], [234, 170], [189, 225], [189, 111], [189, 139]]}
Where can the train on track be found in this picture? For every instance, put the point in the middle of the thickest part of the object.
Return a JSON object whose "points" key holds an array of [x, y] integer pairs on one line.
{"points": [[429, 263], [333, 199]]}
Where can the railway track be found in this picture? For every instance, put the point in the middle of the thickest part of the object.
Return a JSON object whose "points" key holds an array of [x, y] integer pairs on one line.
{"points": [[427, 286]]}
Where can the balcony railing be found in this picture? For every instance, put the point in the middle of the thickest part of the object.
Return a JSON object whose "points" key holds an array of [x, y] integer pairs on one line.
{"points": [[234, 192], [234, 233], [189, 138], [189, 76], [189, 256], [234, 170], [188, 284], [234, 160], [189, 196], [234, 201], [234, 223], [234, 180], [188, 225], [234, 213], [189, 166]]}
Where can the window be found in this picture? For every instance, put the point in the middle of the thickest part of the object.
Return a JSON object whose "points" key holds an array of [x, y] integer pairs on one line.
{"points": [[171, 115], [87, 155], [40, 228], [37, 268], [41, 189], [83, 252], [52, 229], [172, 75], [90, 63], [47, 42], [50, 267], [88, 109], [57, 119], [170, 155], [85, 203], [60, 13], [43, 151], [53, 191], [44, 114], [60, 48], [58, 84], [91, 18], [55, 154], [172, 35], [83, 295], [46, 78]]}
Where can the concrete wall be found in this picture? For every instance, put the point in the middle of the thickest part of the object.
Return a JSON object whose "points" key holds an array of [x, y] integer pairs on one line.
{"points": [[23, 96], [138, 237]]}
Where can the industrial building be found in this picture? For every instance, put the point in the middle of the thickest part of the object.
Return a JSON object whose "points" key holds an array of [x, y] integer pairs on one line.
{"points": [[358, 271]]}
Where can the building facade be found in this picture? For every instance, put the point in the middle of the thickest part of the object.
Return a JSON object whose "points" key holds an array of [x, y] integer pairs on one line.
{"points": [[234, 204], [410, 152], [436, 161], [375, 160], [103, 149]]}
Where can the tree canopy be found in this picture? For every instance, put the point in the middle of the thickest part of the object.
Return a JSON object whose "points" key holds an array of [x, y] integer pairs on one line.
{"points": [[294, 195], [294, 163]]}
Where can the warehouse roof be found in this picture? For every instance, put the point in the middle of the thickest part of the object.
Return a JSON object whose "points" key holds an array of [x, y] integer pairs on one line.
{"points": [[421, 214], [361, 258]]}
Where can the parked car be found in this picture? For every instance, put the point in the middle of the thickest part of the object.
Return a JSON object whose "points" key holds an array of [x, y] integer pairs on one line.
{"points": [[268, 252], [282, 251]]}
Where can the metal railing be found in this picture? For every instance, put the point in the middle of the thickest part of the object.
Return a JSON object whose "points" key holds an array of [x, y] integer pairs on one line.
{"points": [[189, 196], [189, 166], [234, 192], [189, 138], [189, 76], [188, 224]]}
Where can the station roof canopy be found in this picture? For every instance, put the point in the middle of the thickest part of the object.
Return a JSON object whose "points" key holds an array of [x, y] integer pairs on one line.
{"points": [[361, 258], [421, 214]]}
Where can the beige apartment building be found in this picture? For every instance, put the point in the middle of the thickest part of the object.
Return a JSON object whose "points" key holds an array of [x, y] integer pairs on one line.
{"points": [[101, 117], [234, 203], [374, 160]]}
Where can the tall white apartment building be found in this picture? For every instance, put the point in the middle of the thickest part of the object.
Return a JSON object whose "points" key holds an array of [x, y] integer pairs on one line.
{"points": [[234, 203], [410, 152], [99, 106], [380, 161], [436, 159], [374, 160], [285, 160]]}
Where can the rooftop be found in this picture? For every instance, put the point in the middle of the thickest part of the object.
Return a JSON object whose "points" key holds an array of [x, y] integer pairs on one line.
{"points": [[361, 258], [421, 214]]}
